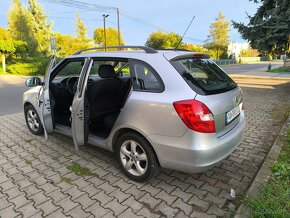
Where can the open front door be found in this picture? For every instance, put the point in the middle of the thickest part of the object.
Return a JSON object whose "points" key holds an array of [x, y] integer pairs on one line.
{"points": [[80, 109], [45, 101]]}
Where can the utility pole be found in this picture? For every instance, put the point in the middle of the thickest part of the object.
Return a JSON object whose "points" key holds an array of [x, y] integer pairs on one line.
{"points": [[104, 18], [118, 22]]}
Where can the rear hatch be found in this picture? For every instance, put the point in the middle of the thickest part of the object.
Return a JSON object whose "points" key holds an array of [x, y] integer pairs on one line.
{"points": [[214, 88]]}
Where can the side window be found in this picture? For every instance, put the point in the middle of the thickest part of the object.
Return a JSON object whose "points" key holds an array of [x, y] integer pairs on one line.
{"points": [[145, 78], [71, 69], [121, 67]]}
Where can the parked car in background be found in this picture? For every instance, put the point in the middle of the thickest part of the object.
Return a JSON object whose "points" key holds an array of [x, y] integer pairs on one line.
{"points": [[172, 109]]}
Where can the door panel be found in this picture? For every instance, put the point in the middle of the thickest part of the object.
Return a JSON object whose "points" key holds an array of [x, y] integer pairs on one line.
{"points": [[45, 102], [79, 108]]}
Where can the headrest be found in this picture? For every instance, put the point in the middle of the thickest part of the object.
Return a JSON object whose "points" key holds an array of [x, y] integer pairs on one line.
{"points": [[106, 71]]}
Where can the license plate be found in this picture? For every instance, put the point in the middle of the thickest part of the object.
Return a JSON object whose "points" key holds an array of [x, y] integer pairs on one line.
{"points": [[232, 114]]}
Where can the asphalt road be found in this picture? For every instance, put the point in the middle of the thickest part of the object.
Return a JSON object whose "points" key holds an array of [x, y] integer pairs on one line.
{"points": [[242, 68], [11, 91]]}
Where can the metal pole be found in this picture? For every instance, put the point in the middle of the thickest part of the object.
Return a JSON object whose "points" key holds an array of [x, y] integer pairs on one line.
{"points": [[105, 38], [118, 21], [104, 19]]}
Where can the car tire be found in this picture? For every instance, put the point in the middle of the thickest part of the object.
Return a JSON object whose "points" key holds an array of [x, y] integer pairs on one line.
{"points": [[136, 157], [33, 121]]}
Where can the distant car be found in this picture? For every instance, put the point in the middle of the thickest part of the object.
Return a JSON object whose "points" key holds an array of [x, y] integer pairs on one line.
{"points": [[174, 109]]}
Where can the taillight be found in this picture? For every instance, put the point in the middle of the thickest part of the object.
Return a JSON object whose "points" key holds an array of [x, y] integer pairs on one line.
{"points": [[195, 115], [243, 106]]}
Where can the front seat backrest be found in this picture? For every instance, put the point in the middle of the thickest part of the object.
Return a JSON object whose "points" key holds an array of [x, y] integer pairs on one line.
{"points": [[104, 93]]}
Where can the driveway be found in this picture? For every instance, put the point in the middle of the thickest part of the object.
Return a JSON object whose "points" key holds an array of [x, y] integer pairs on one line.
{"points": [[35, 180], [11, 91]]}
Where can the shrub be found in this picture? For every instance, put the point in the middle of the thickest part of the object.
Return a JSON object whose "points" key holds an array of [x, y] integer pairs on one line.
{"points": [[28, 66], [280, 70], [32, 66]]}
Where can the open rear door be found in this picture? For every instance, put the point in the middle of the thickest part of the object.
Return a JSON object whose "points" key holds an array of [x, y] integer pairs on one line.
{"points": [[79, 108], [44, 101]]}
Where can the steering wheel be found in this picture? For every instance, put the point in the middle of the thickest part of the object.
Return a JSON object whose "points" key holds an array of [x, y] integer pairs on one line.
{"points": [[71, 84]]}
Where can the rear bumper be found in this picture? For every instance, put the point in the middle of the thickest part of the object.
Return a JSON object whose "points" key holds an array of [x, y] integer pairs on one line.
{"points": [[196, 152]]}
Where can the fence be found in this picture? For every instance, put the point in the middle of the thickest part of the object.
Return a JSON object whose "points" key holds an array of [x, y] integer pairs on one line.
{"points": [[225, 62], [240, 60]]}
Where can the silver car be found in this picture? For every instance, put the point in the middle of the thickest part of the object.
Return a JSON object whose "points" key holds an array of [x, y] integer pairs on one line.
{"points": [[166, 108]]}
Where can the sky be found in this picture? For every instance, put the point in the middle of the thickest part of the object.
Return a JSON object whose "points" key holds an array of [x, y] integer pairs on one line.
{"points": [[147, 16]]}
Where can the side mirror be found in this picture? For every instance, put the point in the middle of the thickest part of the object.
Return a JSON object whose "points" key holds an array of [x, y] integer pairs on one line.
{"points": [[33, 81]]}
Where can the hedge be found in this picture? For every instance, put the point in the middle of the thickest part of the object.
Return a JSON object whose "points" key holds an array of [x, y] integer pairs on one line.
{"points": [[35, 66]]}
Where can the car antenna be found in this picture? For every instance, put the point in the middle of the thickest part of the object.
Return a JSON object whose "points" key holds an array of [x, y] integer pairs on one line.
{"points": [[184, 33]]}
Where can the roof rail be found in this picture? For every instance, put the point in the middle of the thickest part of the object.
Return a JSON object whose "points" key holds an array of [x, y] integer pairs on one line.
{"points": [[173, 49], [146, 49]]}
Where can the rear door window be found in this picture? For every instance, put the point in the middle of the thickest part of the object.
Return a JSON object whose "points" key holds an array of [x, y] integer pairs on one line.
{"points": [[204, 76], [145, 78]]}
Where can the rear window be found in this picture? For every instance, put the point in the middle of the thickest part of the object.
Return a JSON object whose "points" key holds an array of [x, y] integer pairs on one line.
{"points": [[204, 76]]}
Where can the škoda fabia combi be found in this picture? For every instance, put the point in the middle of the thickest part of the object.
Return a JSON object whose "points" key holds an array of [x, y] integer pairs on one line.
{"points": [[172, 109]]}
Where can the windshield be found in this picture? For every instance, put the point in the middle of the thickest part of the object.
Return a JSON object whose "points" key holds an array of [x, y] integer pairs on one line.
{"points": [[204, 76]]}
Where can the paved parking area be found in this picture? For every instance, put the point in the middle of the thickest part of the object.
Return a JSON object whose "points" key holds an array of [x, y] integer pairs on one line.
{"points": [[32, 171]]}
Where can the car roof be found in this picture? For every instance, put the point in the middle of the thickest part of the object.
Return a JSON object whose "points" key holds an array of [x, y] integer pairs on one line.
{"points": [[137, 54]]}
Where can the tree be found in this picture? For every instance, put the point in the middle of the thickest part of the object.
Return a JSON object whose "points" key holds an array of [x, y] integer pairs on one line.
{"points": [[197, 48], [249, 53], [6, 47], [20, 25], [81, 30], [21, 47], [4, 34], [269, 29], [111, 37], [41, 29], [218, 38], [161, 40], [68, 45]]}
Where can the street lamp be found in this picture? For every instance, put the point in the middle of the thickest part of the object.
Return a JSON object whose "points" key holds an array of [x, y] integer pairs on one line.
{"points": [[104, 18]]}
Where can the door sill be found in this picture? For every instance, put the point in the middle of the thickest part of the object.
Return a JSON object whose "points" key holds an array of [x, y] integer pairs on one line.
{"points": [[92, 140], [62, 129], [97, 141]]}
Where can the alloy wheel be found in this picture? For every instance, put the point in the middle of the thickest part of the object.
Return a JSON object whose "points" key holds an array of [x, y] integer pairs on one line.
{"points": [[32, 120], [133, 158]]}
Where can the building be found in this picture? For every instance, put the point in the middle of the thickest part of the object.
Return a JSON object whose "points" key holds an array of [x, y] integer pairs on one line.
{"points": [[235, 48]]}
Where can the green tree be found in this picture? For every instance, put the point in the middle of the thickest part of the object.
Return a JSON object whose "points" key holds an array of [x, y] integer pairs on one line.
{"points": [[218, 38], [269, 29], [21, 47], [41, 29], [4, 34], [111, 37], [20, 25], [68, 45], [81, 30], [249, 53], [161, 40], [197, 48], [6, 47]]}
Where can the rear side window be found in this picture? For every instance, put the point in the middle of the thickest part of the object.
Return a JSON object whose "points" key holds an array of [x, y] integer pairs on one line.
{"points": [[204, 76], [145, 78]]}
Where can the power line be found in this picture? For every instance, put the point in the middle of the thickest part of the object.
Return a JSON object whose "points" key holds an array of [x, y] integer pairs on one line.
{"points": [[140, 20], [99, 8], [90, 20], [81, 5]]}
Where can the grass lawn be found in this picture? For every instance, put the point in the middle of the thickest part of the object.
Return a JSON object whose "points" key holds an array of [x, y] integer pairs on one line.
{"points": [[273, 199], [280, 70]]}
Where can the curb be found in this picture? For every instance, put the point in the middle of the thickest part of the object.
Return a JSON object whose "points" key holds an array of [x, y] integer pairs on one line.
{"points": [[265, 171], [241, 76]]}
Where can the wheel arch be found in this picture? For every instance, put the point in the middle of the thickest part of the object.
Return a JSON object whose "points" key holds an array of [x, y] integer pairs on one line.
{"points": [[122, 131], [26, 104]]}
